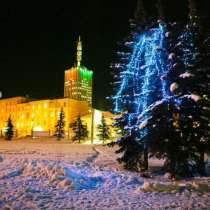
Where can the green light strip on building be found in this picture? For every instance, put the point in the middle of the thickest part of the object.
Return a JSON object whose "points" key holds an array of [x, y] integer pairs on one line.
{"points": [[85, 74]]}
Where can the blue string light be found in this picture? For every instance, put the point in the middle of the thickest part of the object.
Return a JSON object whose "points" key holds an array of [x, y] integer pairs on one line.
{"points": [[140, 83]]}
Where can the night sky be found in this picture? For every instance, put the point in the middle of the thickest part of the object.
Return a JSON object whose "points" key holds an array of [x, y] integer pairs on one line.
{"points": [[38, 42]]}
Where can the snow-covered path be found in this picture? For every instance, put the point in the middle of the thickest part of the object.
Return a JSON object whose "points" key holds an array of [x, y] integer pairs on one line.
{"points": [[59, 175]]}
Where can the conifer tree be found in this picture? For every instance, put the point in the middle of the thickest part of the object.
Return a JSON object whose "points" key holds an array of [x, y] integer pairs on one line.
{"points": [[167, 119], [9, 130], [120, 123], [138, 85], [179, 124], [103, 130], [59, 133], [79, 129], [194, 83]]}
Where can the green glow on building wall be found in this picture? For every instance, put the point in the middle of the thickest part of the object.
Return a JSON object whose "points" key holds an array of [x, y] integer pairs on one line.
{"points": [[85, 74]]}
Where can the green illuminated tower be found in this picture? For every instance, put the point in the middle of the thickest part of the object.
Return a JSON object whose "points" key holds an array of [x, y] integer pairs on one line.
{"points": [[78, 80]]}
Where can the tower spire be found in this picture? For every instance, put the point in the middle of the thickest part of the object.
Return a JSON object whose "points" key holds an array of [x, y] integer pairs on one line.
{"points": [[140, 14], [79, 52]]}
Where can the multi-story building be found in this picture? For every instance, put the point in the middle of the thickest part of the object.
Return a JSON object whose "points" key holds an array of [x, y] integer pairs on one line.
{"points": [[42, 115], [78, 80]]}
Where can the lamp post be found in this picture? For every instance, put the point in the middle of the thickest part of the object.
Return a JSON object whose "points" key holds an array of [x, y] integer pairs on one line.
{"points": [[92, 124]]}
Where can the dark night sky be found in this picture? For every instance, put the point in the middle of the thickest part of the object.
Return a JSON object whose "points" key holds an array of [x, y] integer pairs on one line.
{"points": [[38, 42]]}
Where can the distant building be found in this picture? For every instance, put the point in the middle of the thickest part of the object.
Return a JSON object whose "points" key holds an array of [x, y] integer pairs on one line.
{"points": [[29, 116], [78, 80], [40, 115]]}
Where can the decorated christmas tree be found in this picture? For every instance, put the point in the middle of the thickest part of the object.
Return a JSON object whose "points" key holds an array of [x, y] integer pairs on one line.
{"points": [[194, 83], [185, 115], [163, 96], [138, 83]]}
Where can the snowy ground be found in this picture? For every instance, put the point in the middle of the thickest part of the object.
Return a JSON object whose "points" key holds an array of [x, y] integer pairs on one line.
{"points": [[46, 174]]}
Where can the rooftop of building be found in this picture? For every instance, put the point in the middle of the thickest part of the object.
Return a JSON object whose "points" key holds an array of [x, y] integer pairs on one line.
{"points": [[24, 99]]}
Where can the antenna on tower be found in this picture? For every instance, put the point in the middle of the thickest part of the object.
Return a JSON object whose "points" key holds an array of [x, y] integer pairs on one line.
{"points": [[79, 52], [140, 13]]}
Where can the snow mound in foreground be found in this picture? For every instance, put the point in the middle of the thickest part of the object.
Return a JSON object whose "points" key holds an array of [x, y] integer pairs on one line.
{"points": [[59, 175]]}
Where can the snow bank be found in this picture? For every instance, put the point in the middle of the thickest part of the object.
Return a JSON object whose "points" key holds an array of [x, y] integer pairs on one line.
{"points": [[59, 175], [200, 186], [11, 174], [159, 187], [64, 176], [173, 187]]}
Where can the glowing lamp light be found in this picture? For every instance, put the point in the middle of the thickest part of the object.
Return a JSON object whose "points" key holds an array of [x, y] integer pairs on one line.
{"points": [[4, 129], [38, 128], [97, 117]]}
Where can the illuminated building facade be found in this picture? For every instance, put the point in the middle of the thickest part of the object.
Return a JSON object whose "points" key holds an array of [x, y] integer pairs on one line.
{"points": [[42, 115], [30, 116], [78, 80]]}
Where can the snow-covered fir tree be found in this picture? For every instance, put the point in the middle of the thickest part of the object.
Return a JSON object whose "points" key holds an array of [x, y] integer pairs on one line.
{"points": [[174, 123], [9, 129], [190, 99], [194, 85], [103, 130], [59, 133], [79, 129], [138, 83]]}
